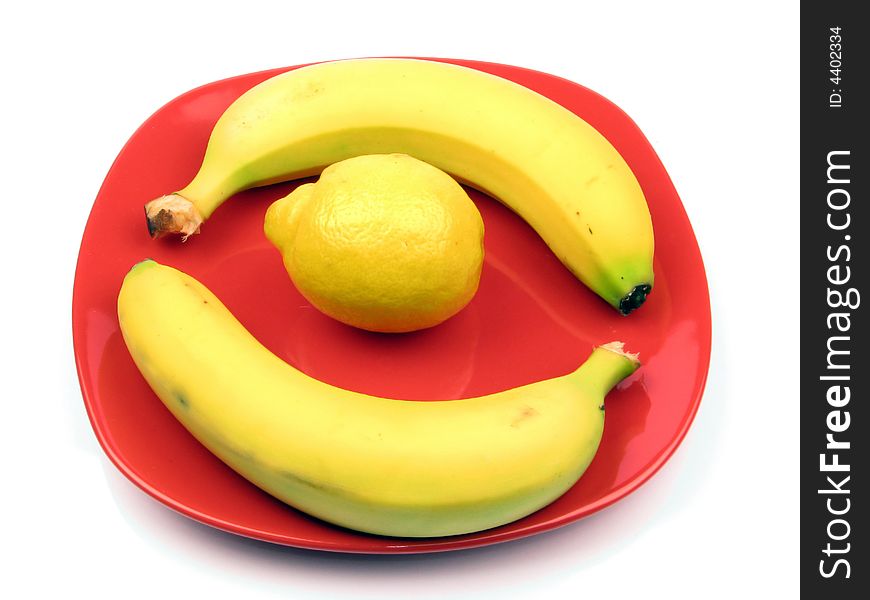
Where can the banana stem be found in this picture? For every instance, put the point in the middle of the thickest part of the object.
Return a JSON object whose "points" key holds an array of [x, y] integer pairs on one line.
{"points": [[607, 366], [172, 214]]}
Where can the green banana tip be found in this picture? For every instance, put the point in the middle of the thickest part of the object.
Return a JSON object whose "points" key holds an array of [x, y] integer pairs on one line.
{"points": [[634, 298], [148, 262]]}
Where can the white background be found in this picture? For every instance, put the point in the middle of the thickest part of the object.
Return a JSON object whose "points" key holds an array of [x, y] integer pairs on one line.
{"points": [[714, 90]]}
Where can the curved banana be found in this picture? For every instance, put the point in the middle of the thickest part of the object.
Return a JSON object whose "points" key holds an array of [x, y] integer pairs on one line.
{"points": [[541, 160], [390, 467]]}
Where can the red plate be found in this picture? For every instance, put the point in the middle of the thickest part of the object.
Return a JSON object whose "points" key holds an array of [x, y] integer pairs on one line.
{"points": [[530, 320]]}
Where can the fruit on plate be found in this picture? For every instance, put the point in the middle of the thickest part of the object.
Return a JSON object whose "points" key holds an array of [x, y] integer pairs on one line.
{"points": [[378, 465], [541, 160], [384, 242]]}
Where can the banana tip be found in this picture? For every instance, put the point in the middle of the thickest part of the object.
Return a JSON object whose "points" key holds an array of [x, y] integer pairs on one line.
{"points": [[634, 298], [143, 263]]}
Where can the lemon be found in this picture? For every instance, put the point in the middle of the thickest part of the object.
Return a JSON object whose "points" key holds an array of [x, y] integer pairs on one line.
{"points": [[384, 242]]}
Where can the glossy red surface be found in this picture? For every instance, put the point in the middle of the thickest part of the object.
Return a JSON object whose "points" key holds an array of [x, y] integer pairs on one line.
{"points": [[530, 320]]}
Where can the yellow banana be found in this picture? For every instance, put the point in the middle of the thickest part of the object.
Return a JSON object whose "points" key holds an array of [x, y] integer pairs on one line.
{"points": [[538, 158], [384, 466]]}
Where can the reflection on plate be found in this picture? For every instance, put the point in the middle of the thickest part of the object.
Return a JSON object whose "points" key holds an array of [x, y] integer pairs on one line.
{"points": [[530, 320]]}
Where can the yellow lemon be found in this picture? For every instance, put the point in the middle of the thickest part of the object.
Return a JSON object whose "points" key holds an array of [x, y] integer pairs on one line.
{"points": [[384, 242]]}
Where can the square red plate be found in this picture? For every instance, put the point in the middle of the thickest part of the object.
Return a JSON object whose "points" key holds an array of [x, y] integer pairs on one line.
{"points": [[530, 320]]}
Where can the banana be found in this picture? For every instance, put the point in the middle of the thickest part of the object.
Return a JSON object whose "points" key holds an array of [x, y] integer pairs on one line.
{"points": [[539, 159], [378, 465]]}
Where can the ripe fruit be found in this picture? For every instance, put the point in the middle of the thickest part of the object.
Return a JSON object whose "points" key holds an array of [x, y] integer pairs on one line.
{"points": [[381, 242], [379, 465], [541, 160]]}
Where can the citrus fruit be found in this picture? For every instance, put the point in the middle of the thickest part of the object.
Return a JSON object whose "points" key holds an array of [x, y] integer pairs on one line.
{"points": [[383, 242]]}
